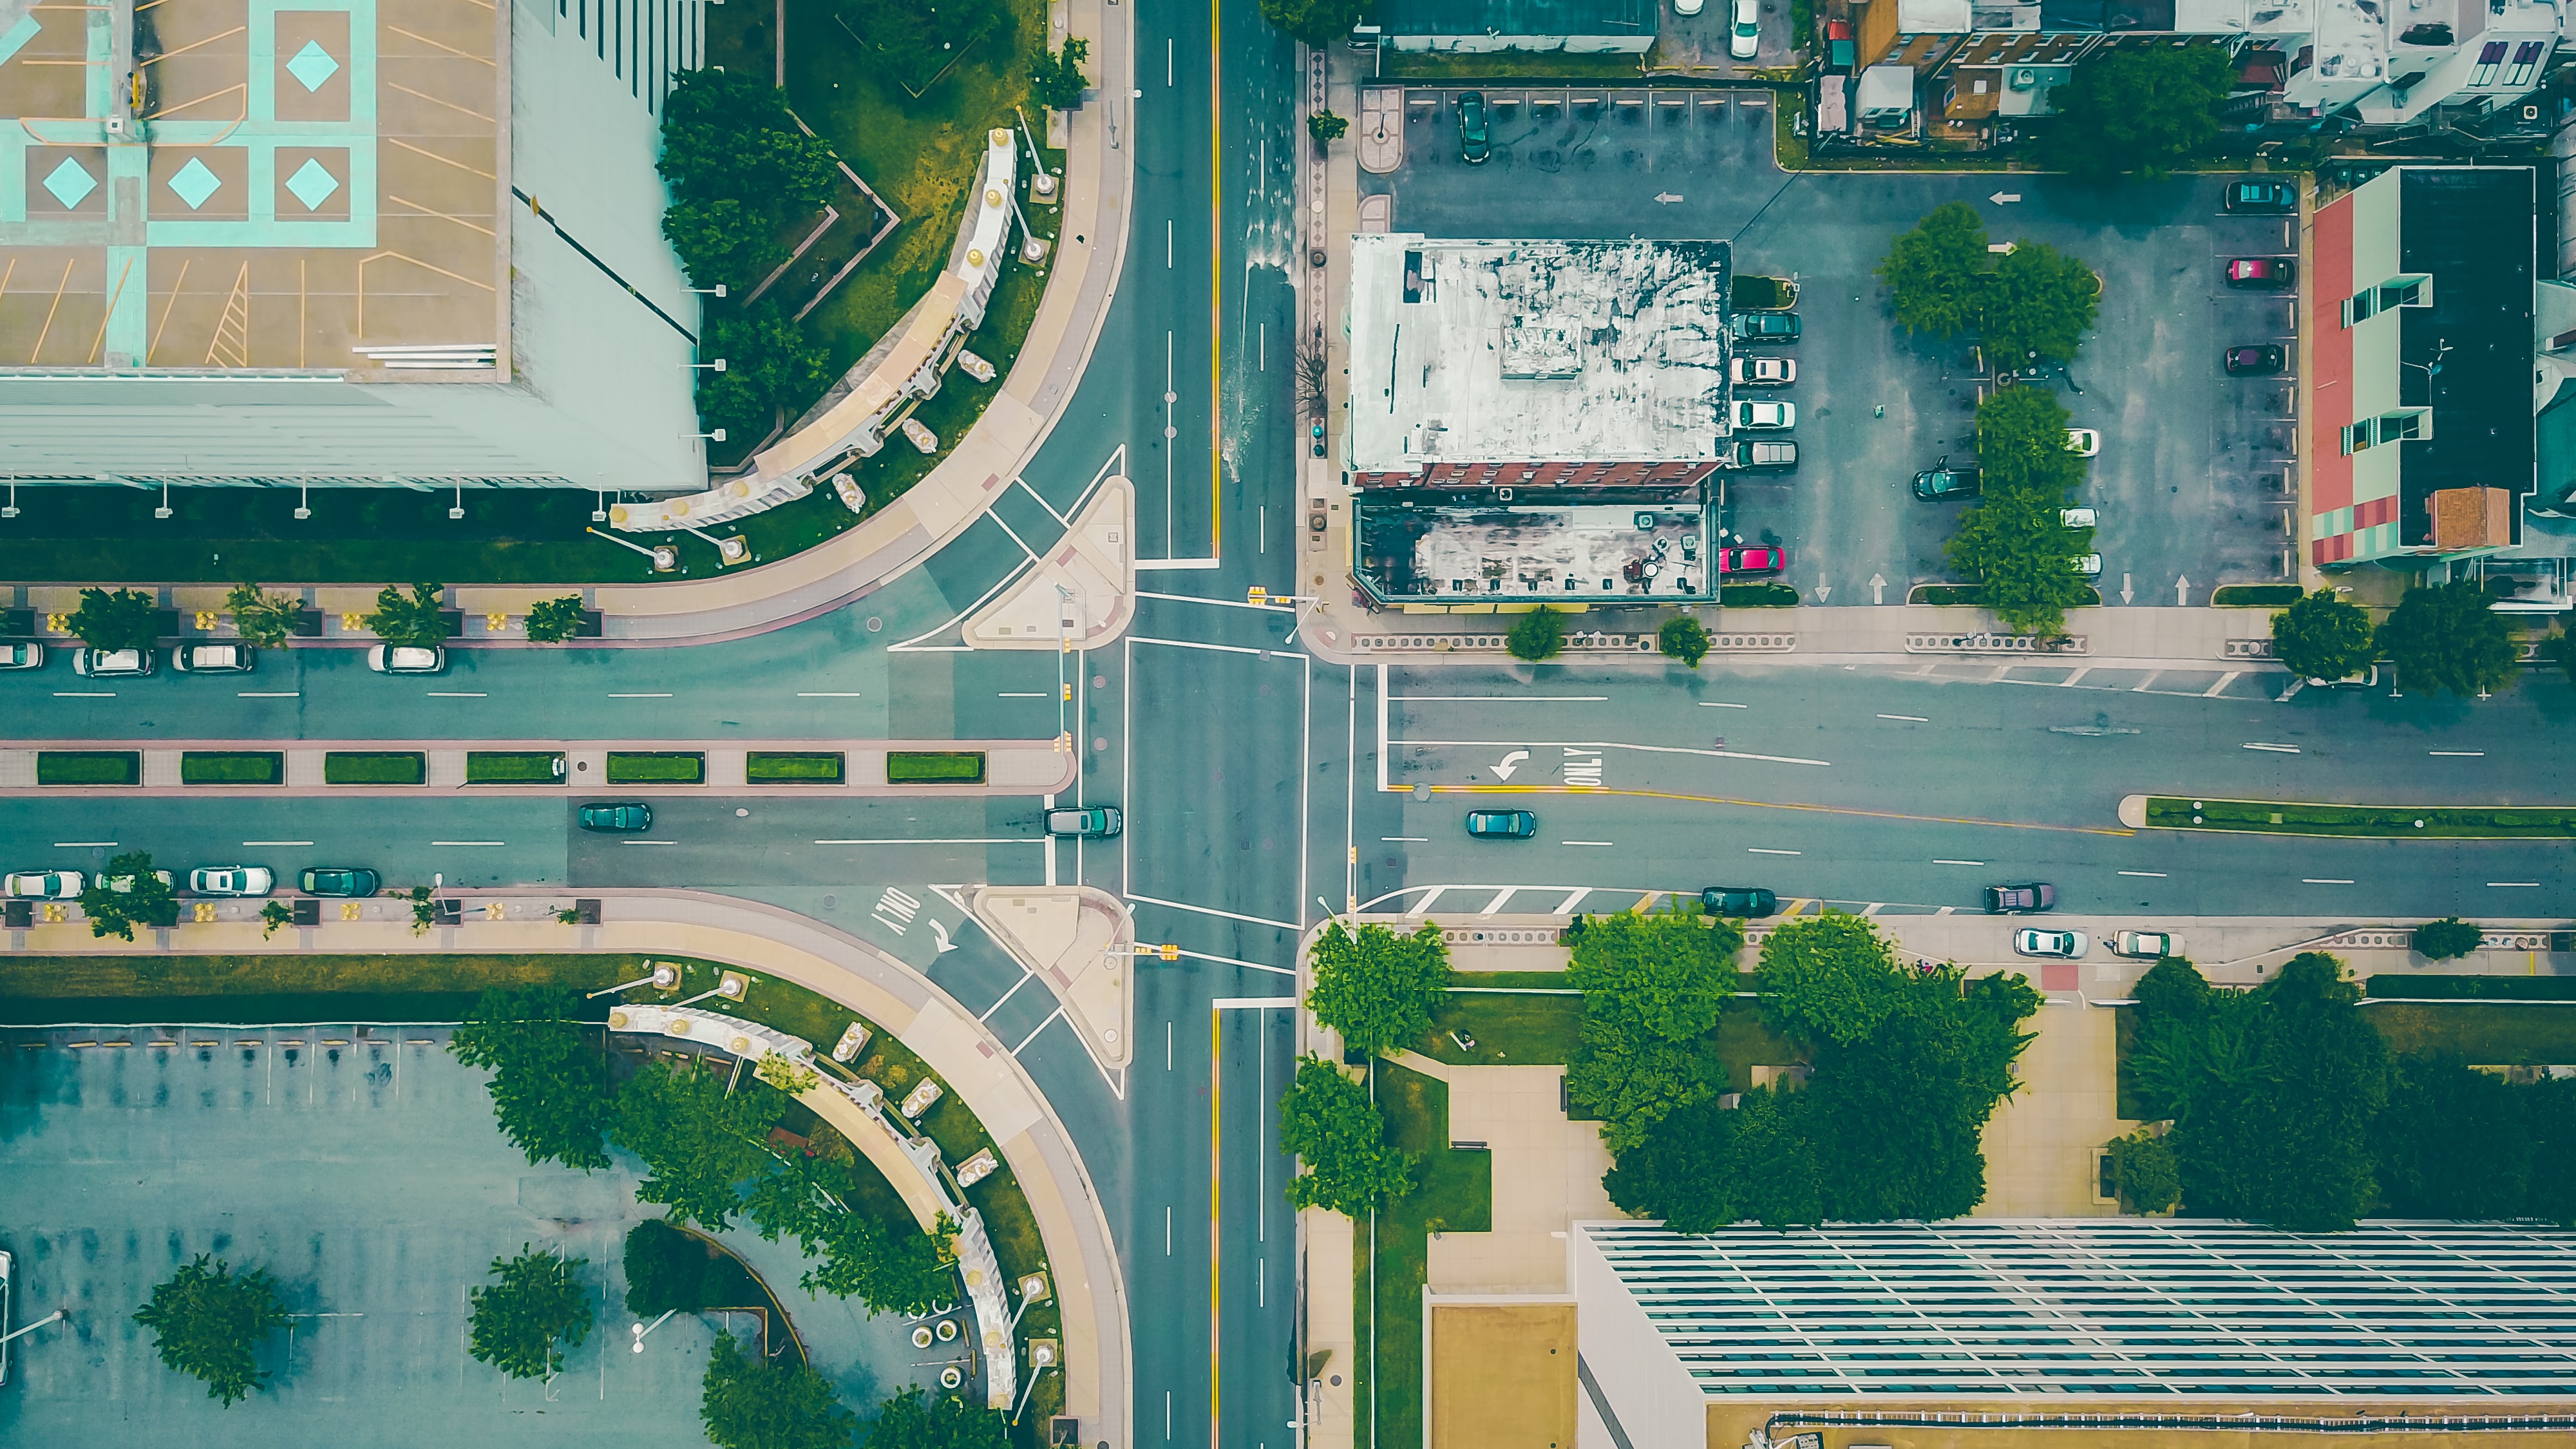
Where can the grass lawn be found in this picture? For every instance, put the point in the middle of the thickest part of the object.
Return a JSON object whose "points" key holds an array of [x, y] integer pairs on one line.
{"points": [[1744, 1043], [639, 767], [513, 767], [282, 988], [392, 767], [934, 767], [2272, 817], [218, 767], [1453, 1191], [769, 767], [1514, 1031], [2487, 1033], [99, 767]]}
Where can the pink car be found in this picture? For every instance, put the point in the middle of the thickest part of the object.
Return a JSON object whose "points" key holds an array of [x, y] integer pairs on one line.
{"points": [[1752, 560]]}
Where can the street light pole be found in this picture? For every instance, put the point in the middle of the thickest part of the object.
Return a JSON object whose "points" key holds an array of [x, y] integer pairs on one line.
{"points": [[641, 1329], [57, 1316]]}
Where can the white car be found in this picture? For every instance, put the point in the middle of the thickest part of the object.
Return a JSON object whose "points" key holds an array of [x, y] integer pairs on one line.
{"points": [[1686, 7], [1765, 416], [111, 663], [231, 880], [1762, 371], [2083, 442], [45, 885], [22, 656], [124, 884], [2089, 566], [1745, 39], [2145, 945], [2077, 517], [213, 659], [404, 659], [2056, 945]]}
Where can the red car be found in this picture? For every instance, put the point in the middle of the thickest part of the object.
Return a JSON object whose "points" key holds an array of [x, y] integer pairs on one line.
{"points": [[1752, 560], [2272, 272]]}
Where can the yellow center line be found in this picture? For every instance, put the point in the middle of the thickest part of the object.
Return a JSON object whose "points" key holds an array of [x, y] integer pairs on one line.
{"points": [[1765, 805]]}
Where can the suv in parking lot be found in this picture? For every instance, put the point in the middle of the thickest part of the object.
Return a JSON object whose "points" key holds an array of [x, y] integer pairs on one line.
{"points": [[1765, 416], [1941, 483], [1766, 327]]}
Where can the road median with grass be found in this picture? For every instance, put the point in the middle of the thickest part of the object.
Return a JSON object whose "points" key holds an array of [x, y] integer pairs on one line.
{"points": [[2388, 822]]}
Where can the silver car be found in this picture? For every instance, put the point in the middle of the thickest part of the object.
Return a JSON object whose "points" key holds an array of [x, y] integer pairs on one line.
{"points": [[2057, 945], [112, 663], [22, 656], [405, 659], [213, 659], [45, 885], [232, 880]]}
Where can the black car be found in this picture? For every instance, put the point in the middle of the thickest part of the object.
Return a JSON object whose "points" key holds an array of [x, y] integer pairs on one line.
{"points": [[2259, 361], [2265, 196], [1767, 327], [617, 819], [1748, 902], [341, 880], [1475, 129], [1936, 485], [2020, 900]]}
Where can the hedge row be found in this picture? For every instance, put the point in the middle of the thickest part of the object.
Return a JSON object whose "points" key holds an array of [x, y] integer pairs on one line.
{"points": [[2472, 988]]}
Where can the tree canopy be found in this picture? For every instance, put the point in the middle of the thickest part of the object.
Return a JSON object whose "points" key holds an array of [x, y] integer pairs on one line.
{"points": [[1319, 23], [1377, 988], [534, 1308], [1653, 987], [552, 621], [417, 620], [263, 620], [1684, 638], [1943, 281], [208, 1322], [746, 1402], [2323, 636], [914, 1419], [699, 1142], [771, 367], [739, 168], [549, 1082], [2145, 1172], [1338, 1136], [129, 893], [2013, 540], [1537, 635], [1936, 273], [2446, 637], [888, 1266], [2137, 109], [2447, 939], [1828, 978], [1055, 77], [2039, 304], [124, 619]]}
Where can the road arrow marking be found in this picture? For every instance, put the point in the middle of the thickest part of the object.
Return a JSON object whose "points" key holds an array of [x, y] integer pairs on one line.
{"points": [[2004, 198], [1877, 589], [1665, 198], [1510, 762], [2126, 593], [1824, 590], [940, 933], [2182, 591]]}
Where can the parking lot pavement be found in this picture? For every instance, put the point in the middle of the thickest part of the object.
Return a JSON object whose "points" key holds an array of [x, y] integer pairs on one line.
{"points": [[1698, 43], [2189, 484]]}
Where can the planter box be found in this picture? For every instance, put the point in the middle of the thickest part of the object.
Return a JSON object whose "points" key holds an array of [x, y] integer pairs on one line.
{"points": [[393, 767], [935, 767], [513, 767], [588, 911], [242, 767], [639, 767], [771, 767], [19, 915], [307, 624], [19, 622], [589, 627], [96, 767], [308, 911]]}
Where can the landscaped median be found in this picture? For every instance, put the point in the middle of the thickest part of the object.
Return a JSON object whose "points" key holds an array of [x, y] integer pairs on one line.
{"points": [[2296, 817]]}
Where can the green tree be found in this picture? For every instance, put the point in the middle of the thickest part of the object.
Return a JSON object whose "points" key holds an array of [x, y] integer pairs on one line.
{"points": [[1828, 978], [699, 1142], [751, 1403], [2137, 109], [1780, 1173], [1936, 273], [771, 366], [1338, 1136], [2550, 1107], [533, 1310], [1319, 23], [1653, 987], [722, 241], [2021, 440], [729, 134], [1683, 1170], [2452, 1142], [2018, 548], [2447, 939], [418, 621], [209, 1323], [913, 1419], [274, 915], [1055, 78], [2323, 637], [1684, 638], [552, 621], [1376, 988], [2146, 1173], [666, 1269], [125, 619], [1538, 635], [129, 893], [1899, 1117], [2039, 304], [2446, 637], [1326, 128], [263, 620], [549, 1082], [891, 1268]]}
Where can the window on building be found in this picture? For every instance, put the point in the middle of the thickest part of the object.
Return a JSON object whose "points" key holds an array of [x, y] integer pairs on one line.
{"points": [[2404, 425], [2526, 59], [2411, 290], [2490, 56]]}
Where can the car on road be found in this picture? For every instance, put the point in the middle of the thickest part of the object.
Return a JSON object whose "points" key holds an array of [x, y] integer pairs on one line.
{"points": [[22, 656], [2265, 196], [45, 885], [1778, 455], [1475, 129], [1765, 416], [1762, 371], [2061, 945], [1744, 39], [232, 880], [2077, 518], [1750, 902], [622, 819], [341, 880], [2256, 360], [1766, 327], [1088, 822], [1501, 824], [213, 659], [405, 659], [2089, 565], [1752, 560], [113, 663], [1941, 483], [2020, 900], [2083, 442], [2269, 273], [2145, 945]]}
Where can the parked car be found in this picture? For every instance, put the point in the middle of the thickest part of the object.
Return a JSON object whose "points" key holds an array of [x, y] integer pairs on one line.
{"points": [[1752, 561], [1766, 416], [2083, 442], [1840, 54], [1501, 824], [1475, 129], [124, 884], [2060, 945], [341, 880], [8, 1273], [213, 658], [2271, 273], [1942, 483], [2366, 679], [45, 885], [22, 656], [1749, 902], [1090, 822], [1762, 371], [2077, 518], [1766, 456], [232, 880], [1687, 7], [623, 819], [1744, 40], [2089, 565], [2260, 360], [404, 659], [2020, 900], [2145, 945], [1766, 327], [2264, 196], [113, 663]]}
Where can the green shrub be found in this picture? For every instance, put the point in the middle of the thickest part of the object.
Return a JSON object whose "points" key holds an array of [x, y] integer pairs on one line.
{"points": [[1764, 595], [513, 767], [2247, 596], [666, 1269], [1539, 635], [1684, 638], [2447, 938], [391, 767], [642, 767], [783, 767], [552, 621], [935, 767], [101, 767], [2145, 1173], [217, 767]]}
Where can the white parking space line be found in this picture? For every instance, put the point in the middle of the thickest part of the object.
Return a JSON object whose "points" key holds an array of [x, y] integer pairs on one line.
{"points": [[460, 694], [1495, 906], [2145, 874], [648, 842], [1587, 842], [1566, 907], [79, 694], [1721, 704], [2224, 680], [78, 844], [271, 694], [664, 695], [277, 842], [1958, 862], [2274, 749], [829, 694], [1907, 718], [1406, 839], [2458, 754], [469, 842], [2502, 885], [2324, 882], [1024, 694], [1761, 850]]}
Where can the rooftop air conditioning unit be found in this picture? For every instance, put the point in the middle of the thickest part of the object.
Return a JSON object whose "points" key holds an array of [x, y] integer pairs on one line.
{"points": [[2024, 78]]}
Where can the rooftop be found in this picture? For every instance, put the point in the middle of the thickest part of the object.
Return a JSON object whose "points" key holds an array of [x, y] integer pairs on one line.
{"points": [[1469, 351], [2468, 356]]}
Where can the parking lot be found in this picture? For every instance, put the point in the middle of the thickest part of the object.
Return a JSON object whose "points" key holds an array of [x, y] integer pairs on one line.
{"points": [[2190, 484]]}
